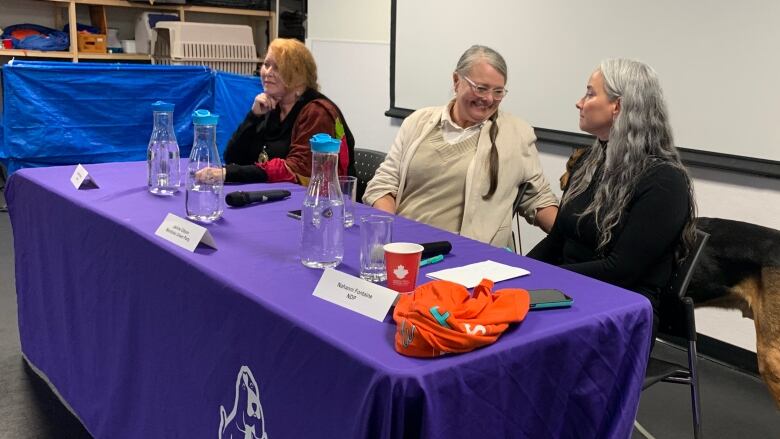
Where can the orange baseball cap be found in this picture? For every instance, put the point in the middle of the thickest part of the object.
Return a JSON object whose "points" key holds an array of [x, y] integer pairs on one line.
{"points": [[441, 317]]}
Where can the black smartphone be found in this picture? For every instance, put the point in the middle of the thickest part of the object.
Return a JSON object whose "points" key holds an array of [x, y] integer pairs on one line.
{"points": [[541, 299], [294, 214]]}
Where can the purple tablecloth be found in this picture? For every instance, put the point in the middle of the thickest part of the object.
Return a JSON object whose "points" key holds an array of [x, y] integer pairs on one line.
{"points": [[145, 339]]}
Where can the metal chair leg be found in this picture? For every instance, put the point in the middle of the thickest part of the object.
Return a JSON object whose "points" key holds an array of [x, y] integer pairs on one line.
{"points": [[695, 397]]}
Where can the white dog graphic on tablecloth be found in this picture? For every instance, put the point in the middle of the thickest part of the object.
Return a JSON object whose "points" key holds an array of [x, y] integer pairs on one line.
{"points": [[246, 420]]}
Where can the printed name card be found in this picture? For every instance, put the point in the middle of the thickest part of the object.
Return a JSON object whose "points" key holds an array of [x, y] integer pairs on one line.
{"points": [[355, 294], [183, 233], [82, 180]]}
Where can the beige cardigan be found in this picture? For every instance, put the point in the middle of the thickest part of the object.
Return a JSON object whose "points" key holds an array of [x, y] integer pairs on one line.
{"points": [[489, 220]]}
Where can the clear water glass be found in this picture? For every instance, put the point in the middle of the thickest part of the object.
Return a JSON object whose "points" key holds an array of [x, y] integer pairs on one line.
{"points": [[348, 186], [375, 232]]}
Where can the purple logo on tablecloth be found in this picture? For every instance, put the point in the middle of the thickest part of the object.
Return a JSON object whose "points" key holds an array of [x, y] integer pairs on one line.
{"points": [[246, 420]]}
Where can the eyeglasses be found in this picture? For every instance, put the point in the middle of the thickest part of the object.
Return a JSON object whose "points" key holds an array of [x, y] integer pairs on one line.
{"points": [[483, 92]]}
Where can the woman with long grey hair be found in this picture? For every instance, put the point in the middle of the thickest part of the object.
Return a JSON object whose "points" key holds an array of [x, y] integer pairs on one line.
{"points": [[458, 166], [627, 215]]}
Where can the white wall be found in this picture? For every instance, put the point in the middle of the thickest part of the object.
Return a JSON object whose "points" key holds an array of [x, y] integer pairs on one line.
{"points": [[355, 75], [350, 40], [351, 20], [552, 43]]}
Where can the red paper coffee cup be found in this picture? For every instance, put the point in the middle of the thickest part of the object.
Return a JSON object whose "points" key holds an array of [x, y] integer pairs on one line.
{"points": [[402, 261]]}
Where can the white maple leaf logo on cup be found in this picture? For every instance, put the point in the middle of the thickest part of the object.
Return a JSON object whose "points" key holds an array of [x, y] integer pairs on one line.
{"points": [[400, 272]]}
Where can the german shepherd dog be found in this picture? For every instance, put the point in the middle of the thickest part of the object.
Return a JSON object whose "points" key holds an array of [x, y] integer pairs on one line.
{"points": [[739, 268]]}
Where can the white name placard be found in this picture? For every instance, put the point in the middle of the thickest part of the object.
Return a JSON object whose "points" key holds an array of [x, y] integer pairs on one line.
{"points": [[355, 294], [81, 179], [183, 233]]}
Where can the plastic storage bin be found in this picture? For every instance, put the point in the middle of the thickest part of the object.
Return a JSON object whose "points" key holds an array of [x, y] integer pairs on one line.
{"points": [[144, 37], [225, 47]]}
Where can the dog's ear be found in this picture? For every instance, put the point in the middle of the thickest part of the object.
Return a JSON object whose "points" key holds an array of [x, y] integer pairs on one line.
{"points": [[573, 159], [222, 420], [564, 180]]}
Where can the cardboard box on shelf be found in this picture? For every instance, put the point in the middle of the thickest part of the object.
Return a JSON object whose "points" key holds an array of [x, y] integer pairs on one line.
{"points": [[92, 43]]}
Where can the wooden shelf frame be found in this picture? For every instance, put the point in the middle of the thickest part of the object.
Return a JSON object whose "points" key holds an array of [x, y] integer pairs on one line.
{"points": [[35, 53], [73, 53], [164, 7]]}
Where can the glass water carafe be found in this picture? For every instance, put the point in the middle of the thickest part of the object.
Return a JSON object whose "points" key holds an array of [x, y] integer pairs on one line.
{"points": [[322, 216], [162, 155], [205, 178]]}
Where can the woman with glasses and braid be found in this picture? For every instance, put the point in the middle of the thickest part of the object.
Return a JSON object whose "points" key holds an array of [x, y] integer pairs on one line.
{"points": [[627, 214], [458, 167]]}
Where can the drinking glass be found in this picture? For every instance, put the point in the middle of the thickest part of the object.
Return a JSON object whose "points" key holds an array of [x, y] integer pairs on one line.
{"points": [[375, 232], [348, 189]]}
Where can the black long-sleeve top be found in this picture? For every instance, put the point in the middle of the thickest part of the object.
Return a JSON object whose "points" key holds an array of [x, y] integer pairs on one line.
{"points": [[641, 255], [285, 143]]}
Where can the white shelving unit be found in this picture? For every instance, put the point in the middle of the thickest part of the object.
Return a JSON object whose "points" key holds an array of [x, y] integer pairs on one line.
{"points": [[97, 13]]}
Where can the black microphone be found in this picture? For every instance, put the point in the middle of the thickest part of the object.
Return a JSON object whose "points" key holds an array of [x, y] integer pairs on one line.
{"points": [[431, 249], [240, 198]]}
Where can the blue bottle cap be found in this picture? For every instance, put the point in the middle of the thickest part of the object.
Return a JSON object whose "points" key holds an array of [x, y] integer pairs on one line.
{"points": [[204, 117], [162, 106], [324, 143]]}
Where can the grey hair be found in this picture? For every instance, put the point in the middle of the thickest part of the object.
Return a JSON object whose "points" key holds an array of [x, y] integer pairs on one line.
{"points": [[640, 138], [477, 53], [470, 57]]}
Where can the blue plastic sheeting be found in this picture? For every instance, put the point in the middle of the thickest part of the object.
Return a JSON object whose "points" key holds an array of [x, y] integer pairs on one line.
{"points": [[233, 98], [58, 113]]}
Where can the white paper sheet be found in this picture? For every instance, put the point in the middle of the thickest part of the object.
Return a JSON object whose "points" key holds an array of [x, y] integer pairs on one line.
{"points": [[471, 275]]}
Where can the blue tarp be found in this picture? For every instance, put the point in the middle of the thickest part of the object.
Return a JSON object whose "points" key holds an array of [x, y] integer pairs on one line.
{"points": [[58, 113]]}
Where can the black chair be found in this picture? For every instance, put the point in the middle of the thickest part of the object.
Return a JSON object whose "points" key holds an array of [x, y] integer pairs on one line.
{"points": [[677, 323], [516, 215], [366, 163]]}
